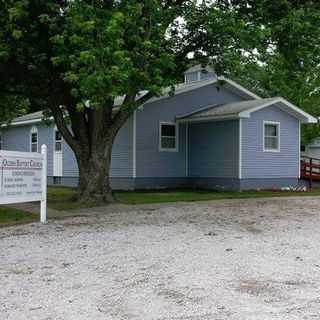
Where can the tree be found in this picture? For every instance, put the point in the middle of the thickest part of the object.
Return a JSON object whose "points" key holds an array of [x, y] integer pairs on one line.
{"points": [[74, 58], [288, 61]]}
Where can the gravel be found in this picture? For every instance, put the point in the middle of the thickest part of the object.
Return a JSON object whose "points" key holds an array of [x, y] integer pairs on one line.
{"points": [[240, 259]]}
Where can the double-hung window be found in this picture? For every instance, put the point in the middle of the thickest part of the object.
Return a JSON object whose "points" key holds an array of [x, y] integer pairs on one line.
{"points": [[271, 136], [34, 139], [58, 141], [168, 137]]}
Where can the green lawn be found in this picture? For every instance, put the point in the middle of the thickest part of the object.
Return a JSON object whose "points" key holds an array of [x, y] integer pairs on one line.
{"points": [[188, 195], [13, 216], [61, 198], [65, 198]]}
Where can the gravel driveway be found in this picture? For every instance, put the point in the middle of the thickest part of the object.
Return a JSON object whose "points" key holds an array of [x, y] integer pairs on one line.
{"points": [[238, 260]]}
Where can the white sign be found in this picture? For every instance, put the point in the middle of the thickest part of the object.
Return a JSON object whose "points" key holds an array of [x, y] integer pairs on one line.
{"points": [[23, 178]]}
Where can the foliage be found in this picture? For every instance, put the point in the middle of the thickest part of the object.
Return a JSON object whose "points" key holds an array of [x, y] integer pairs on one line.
{"points": [[73, 58], [288, 62]]}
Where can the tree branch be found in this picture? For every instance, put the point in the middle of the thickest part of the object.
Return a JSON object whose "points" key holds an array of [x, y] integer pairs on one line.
{"points": [[127, 108], [63, 128]]}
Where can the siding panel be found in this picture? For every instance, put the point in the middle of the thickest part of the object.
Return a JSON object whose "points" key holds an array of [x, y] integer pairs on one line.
{"points": [[18, 139], [259, 164], [214, 149], [151, 162], [121, 162]]}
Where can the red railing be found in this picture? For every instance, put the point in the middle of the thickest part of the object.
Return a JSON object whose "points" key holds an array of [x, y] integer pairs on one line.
{"points": [[310, 169]]}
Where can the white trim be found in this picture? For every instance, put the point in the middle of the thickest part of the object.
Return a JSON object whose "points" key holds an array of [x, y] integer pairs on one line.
{"points": [[57, 154], [21, 123], [299, 146], [187, 149], [43, 203], [55, 129], [33, 130], [176, 149], [247, 113], [134, 145], [199, 75], [206, 119], [240, 88], [240, 148], [307, 117], [278, 136]]}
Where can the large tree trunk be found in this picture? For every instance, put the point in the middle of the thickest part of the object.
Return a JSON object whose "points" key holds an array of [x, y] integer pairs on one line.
{"points": [[91, 137], [94, 182]]}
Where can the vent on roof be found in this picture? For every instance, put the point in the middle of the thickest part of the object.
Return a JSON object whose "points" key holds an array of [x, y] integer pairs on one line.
{"points": [[199, 73]]}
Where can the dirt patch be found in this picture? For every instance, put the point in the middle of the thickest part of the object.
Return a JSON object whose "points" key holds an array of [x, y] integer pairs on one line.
{"points": [[221, 260]]}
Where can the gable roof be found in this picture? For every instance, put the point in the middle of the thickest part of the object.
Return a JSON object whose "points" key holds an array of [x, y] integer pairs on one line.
{"points": [[27, 118], [187, 87], [37, 117], [243, 109]]}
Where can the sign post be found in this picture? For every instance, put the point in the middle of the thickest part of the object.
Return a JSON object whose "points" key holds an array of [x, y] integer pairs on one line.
{"points": [[43, 206], [23, 178]]}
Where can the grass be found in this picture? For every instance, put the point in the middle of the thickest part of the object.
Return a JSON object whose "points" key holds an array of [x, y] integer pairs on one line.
{"points": [[63, 198], [60, 198], [189, 195], [9, 216]]}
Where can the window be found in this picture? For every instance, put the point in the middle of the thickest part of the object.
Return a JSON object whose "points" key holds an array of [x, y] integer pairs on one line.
{"points": [[168, 137], [58, 141], [34, 139], [271, 136]]}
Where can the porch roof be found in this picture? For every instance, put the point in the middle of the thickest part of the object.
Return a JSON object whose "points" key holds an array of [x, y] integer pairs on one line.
{"points": [[243, 109]]}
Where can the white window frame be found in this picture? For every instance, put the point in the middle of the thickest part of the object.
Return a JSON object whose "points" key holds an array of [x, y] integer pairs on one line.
{"points": [[176, 149], [278, 135], [54, 141], [33, 131]]}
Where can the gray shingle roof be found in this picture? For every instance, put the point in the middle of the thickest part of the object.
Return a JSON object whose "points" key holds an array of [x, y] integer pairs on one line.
{"points": [[179, 88], [227, 110]]}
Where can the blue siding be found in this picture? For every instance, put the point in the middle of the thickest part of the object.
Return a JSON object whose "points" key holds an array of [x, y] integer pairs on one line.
{"points": [[16, 139], [214, 149], [151, 162], [69, 162], [122, 153], [259, 164]]}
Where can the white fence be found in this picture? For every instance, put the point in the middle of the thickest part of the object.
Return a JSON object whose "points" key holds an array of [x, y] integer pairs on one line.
{"points": [[23, 178]]}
